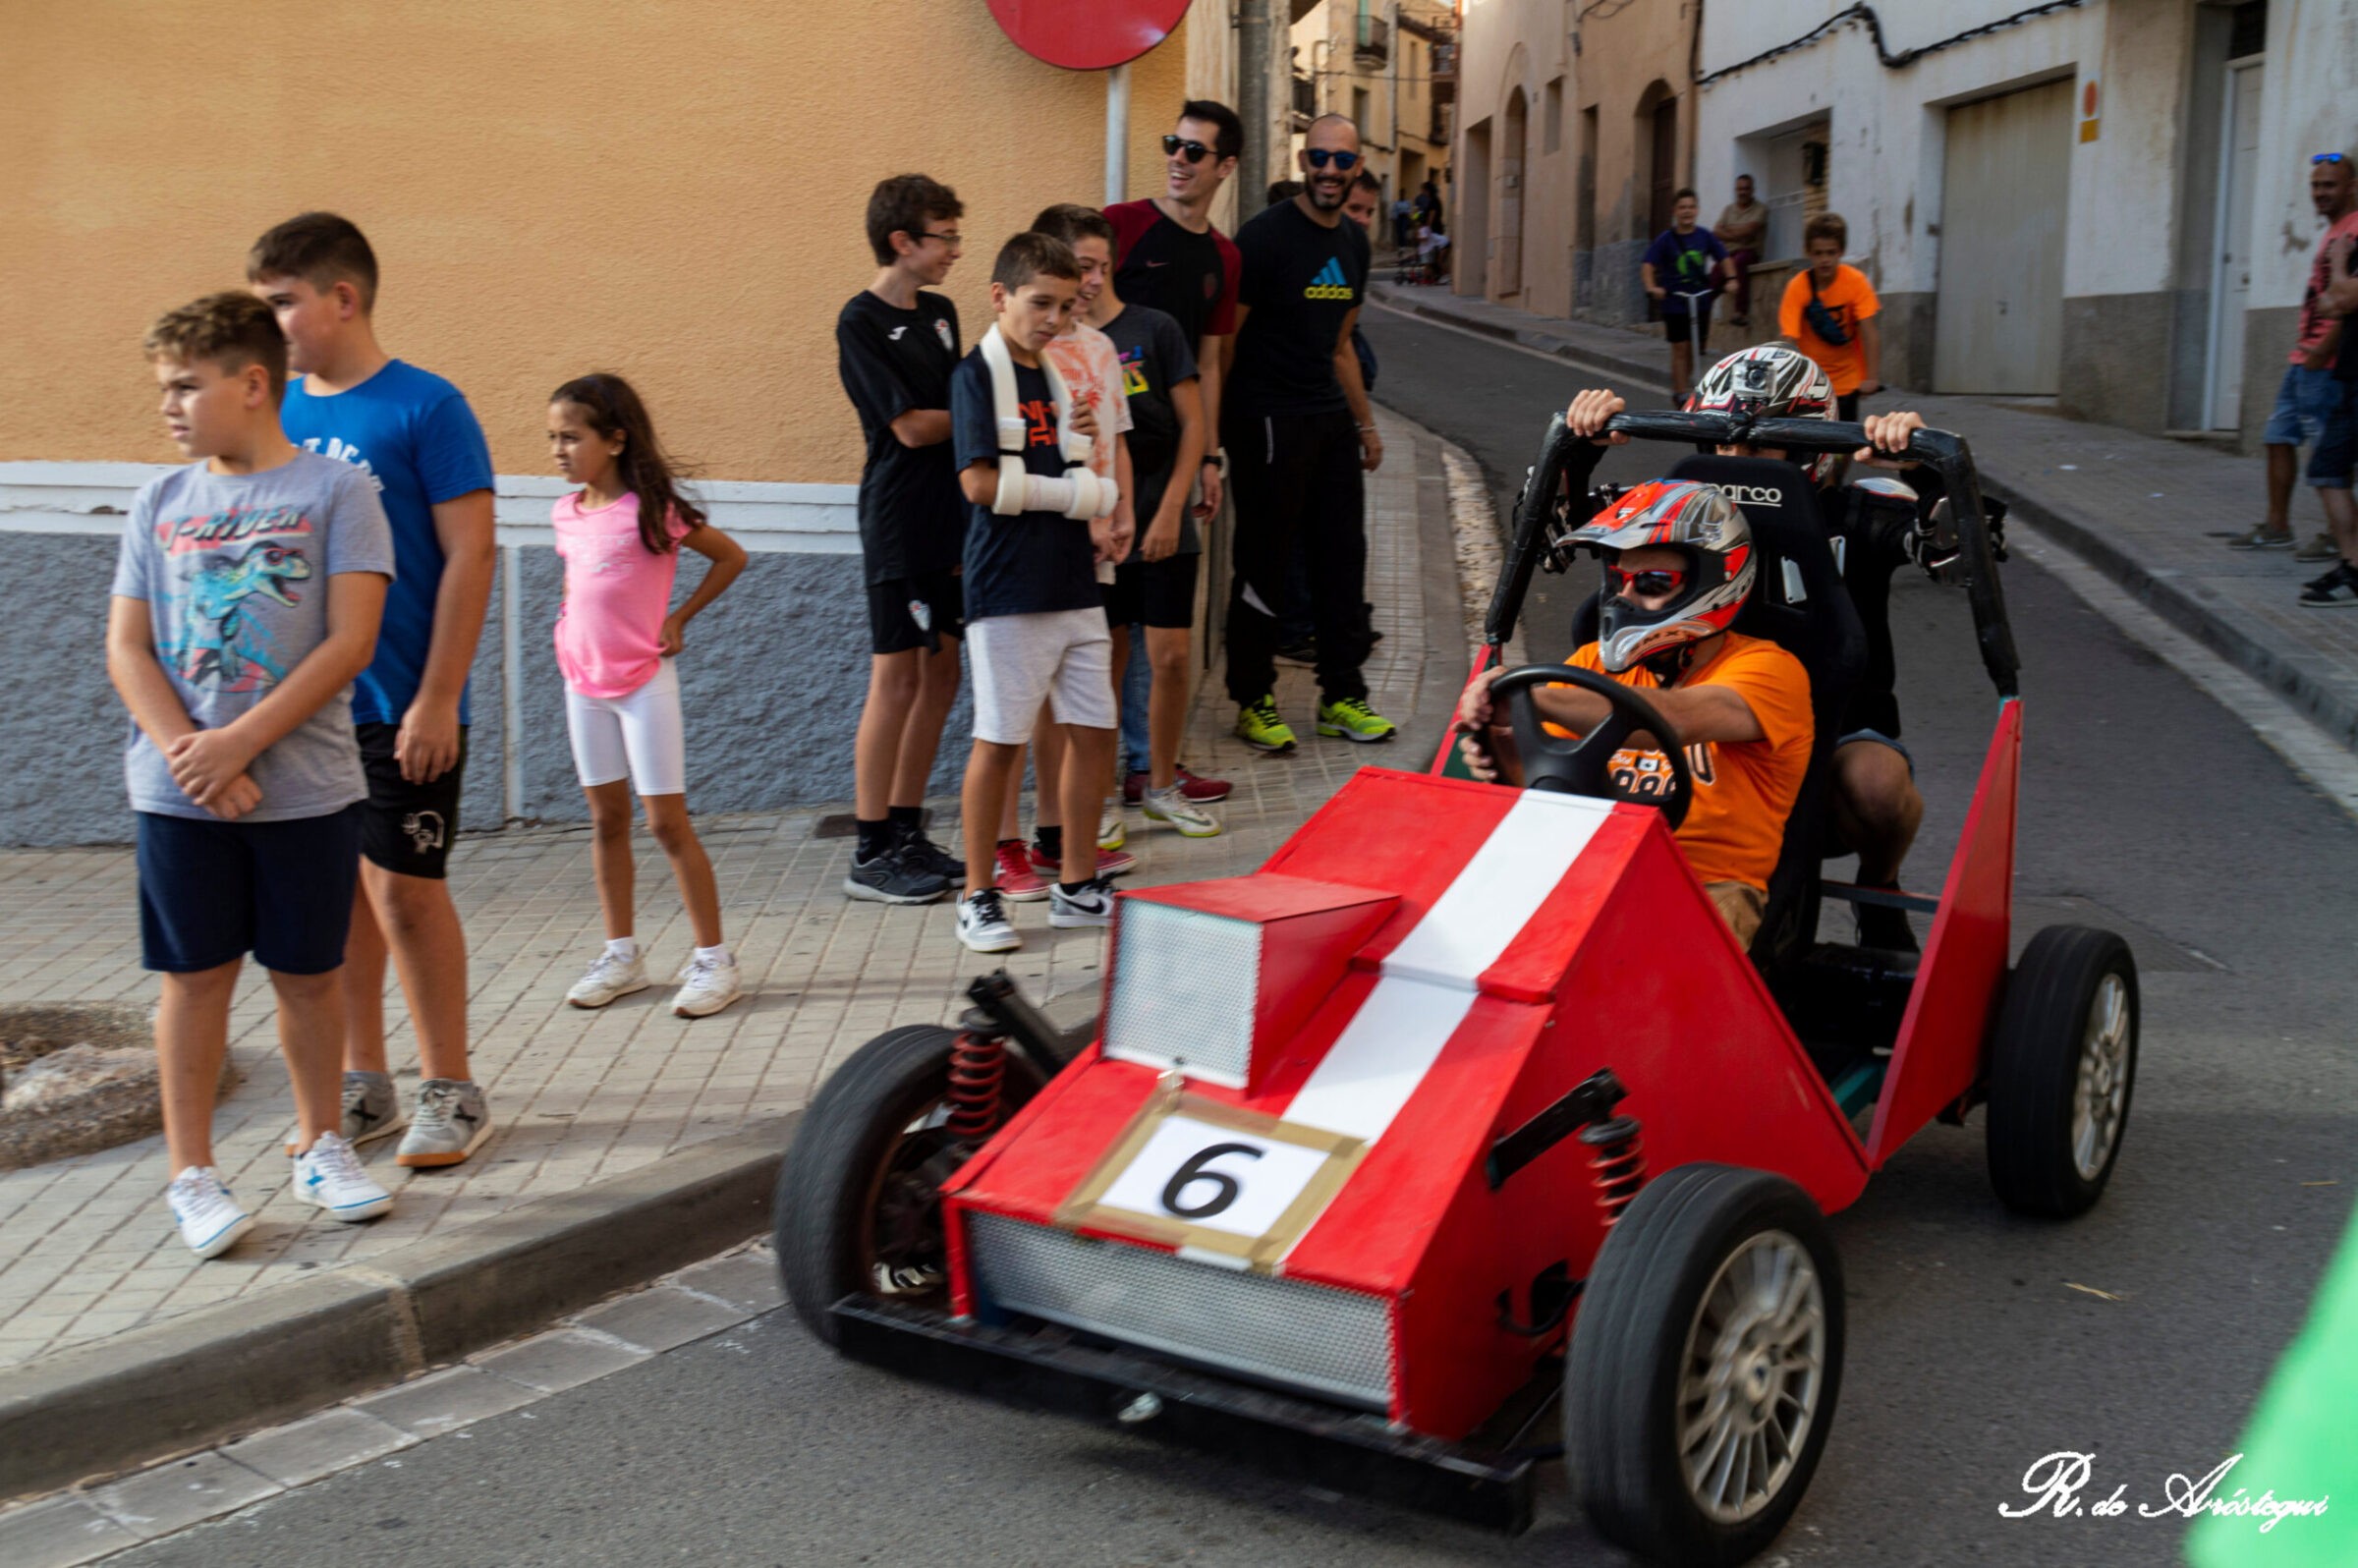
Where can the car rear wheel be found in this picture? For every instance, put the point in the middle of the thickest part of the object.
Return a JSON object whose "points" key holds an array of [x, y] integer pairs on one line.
{"points": [[859, 1200], [2061, 1071], [1700, 1379]]}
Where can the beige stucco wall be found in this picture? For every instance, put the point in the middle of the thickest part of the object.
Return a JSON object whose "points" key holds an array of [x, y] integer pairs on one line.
{"points": [[673, 191]]}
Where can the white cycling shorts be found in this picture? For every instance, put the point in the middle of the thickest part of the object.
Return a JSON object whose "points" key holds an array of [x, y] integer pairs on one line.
{"points": [[637, 737]]}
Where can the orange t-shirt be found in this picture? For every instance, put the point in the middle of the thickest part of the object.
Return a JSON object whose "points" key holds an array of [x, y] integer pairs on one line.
{"points": [[1744, 790], [1852, 300]]}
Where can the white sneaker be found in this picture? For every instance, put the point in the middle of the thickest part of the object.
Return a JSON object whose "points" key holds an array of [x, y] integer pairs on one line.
{"points": [[211, 1220], [1092, 904], [1171, 806], [330, 1176], [1111, 835], [607, 977], [706, 986], [982, 923]]}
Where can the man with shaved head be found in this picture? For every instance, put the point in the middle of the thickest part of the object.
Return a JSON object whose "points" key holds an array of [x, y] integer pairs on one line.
{"points": [[1300, 434]]}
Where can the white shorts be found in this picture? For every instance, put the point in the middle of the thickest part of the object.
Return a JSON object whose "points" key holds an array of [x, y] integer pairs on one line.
{"points": [[1017, 661], [637, 737]]}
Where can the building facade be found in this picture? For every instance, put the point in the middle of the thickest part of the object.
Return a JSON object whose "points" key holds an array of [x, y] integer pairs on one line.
{"points": [[676, 194]]}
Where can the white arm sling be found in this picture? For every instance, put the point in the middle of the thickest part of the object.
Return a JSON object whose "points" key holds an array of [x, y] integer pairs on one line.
{"points": [[1080, 494]]}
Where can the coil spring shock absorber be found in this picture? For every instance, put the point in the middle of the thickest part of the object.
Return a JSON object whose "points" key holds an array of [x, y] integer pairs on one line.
{"points": [[1616, 1164], [977, 1066]]}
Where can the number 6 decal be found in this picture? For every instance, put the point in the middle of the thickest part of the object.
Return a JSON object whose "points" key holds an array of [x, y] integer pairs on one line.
{"points": [[1211, 1179]]}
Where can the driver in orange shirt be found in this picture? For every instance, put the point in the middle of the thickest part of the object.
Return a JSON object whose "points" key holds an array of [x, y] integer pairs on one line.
{"points": [[1678, 567]]}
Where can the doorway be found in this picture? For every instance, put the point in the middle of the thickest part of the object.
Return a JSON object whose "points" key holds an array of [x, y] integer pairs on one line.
{"points": [[2231, 276], [2006, 183], [1663, 164], [1511, 140], [1469, 239]]}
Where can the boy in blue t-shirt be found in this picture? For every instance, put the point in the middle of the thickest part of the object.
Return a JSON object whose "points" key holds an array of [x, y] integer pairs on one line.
{"points": [[246, 597], [1035, 612], [415, 437], [1683, 261]]}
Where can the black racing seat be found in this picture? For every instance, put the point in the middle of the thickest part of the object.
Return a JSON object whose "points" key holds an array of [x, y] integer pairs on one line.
{"points": [[1799, 604]]}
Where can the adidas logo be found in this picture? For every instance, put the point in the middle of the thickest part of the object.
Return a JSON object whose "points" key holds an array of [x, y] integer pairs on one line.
{"points": [[1329, 284]]}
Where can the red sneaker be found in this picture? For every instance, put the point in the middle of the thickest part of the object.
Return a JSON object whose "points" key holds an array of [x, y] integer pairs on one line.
{"points": [[1018, 881], [1202, 791], [1110, 863], [1134, 789]]}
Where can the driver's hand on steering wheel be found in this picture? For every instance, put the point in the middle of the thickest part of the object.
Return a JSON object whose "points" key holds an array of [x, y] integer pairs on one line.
{"points": [[1591, 409], [1888, 434], [1474, 711]]}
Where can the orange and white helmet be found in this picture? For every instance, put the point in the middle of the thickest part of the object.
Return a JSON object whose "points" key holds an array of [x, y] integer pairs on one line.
{"points": [[1771, 382], [1701, 524]]}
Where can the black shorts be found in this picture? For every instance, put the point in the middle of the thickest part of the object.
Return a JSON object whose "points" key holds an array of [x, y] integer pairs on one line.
{"points": [[211, 891], [1678, 329], [1157, 592], [911, 612], [407, 828]]}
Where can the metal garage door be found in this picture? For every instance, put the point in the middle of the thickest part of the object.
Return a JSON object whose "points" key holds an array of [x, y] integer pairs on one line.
{"points": [[2001, 243]]}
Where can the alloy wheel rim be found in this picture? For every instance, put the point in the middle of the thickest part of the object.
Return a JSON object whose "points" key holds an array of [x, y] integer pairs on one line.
{"points": [[2100, 1096], [1751, 1376]]}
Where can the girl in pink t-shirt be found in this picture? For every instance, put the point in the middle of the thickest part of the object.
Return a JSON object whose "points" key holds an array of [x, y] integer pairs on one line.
{"points": [[619, 537]]}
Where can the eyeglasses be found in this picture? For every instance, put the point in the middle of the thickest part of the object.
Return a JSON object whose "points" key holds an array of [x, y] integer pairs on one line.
{"points": [[1320, 157], [1647, 585], [953, 239], [2327, 158], [1197, 151]]}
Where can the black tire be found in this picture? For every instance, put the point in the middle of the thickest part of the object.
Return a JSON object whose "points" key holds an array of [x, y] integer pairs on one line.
{"points": [[1624, 1404], [857, 1132], [2072, 989]]}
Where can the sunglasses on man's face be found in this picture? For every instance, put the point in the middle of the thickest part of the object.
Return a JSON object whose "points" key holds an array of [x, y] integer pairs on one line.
{"points": [[2327, 158], [1320, 157], [1194, 152], [1647, 585]]}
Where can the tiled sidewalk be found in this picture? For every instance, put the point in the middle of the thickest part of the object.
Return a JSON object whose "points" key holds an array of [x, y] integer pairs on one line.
{"points": [[579, 1097]]}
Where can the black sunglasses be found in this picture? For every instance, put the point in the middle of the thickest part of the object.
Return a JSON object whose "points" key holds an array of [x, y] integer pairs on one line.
{"points": [[1196, 151], [1320, 157]]}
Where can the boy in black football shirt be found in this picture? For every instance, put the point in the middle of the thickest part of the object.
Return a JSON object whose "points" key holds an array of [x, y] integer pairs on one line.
{"points": [[896, 347]]}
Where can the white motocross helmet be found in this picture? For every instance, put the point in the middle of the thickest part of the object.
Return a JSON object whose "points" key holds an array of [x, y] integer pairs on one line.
{"points": [[1771, 382], [1703, 525]]}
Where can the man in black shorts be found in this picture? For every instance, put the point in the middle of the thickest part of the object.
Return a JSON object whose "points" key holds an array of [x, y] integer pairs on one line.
{"points": [[896, 346], [1300, 434]]}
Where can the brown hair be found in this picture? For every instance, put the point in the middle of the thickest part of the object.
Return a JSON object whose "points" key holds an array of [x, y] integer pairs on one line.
{"points": [[647, 471], [1069, 222], [322, 249], [1030, 256], [231, 330], [1826, 226], [904, 204]]}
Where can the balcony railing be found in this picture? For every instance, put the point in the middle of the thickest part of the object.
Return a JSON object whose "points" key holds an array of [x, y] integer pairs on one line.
{"points": [[1373, 46]]}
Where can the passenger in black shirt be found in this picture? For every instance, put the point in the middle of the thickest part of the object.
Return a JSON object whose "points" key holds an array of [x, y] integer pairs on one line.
{"points": [[1300, 434], [896, 346]]}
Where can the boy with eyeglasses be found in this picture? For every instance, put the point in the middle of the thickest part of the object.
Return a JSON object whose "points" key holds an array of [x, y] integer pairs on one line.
{"points": [[896, 345]]}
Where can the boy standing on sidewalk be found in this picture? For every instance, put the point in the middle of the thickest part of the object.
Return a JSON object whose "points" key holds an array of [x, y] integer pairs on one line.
{"points": [[413, 436], [1678, 271], [1829, 312], [246, 597], [1035, 613], [896, 346]]}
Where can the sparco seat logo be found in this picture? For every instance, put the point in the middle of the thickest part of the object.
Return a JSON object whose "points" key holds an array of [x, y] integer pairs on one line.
{"points": [[1752, 494]]}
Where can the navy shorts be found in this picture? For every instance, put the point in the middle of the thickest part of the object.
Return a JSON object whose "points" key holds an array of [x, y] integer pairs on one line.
{"points": [[913, 612], [211, 891], [1160, 593]]}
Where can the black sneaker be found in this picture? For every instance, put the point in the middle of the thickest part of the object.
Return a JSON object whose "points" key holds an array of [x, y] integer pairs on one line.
{"points": [[927, 856], [2337, 589], [889, 879]]}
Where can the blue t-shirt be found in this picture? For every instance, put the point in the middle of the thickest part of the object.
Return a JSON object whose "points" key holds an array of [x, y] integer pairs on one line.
{"points": [[1033, 561], [413, 435], [1682, 263]]}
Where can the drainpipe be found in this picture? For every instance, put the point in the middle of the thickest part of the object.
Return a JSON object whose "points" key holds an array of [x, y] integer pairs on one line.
{"points": [[1117, 135], [1254, 104]]}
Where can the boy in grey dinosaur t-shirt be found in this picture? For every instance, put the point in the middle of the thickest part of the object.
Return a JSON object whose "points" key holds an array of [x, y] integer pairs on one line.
{"points": [[245, 600]]}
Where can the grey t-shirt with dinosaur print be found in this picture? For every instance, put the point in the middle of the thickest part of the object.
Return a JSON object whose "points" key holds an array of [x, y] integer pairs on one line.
{"points": [[234, 570]]}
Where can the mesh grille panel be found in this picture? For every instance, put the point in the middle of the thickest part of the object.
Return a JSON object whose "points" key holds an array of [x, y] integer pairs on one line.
{"points": [[1184, 984], [1332, 1342]]}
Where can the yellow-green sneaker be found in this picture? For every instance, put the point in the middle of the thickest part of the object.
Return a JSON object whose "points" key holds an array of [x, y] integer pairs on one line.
{"points": [[1351, 720], [1258, 726]]}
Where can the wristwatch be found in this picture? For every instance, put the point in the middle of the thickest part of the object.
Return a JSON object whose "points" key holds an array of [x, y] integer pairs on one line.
{"points": [[1216, 459]]}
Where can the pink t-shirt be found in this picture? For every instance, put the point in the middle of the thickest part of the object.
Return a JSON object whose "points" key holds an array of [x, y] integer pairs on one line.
{"points": [[617, 592], [2315, 324]]}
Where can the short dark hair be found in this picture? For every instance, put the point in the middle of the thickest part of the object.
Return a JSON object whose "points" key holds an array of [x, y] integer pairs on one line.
{"points": [[1827, 225], [1685, 193], [1367, 181], [1745, 179], [904, 204], [231, 330], [1230, 142], [1030, 256], [1070, 222], [320, 248], [1283, 190]]}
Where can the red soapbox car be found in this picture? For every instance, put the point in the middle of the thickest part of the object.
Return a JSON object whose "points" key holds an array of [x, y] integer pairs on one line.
{"points": [[1466, 1111]]}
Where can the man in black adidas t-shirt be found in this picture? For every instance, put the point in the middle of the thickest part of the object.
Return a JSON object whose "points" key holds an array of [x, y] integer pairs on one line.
{"points": [[1300, 432], [896, 347]]}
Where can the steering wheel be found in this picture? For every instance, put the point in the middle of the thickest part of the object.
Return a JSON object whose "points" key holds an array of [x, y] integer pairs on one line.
{"points": [[1581, 766]]}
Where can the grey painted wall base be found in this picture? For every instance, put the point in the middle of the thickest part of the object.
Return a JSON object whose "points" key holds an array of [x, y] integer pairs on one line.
{"points": [[2117, 358], [1908, 325], [1609, 289]]}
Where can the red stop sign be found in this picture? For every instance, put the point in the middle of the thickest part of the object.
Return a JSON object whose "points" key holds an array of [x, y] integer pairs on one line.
{"points": [[1087, 35]]}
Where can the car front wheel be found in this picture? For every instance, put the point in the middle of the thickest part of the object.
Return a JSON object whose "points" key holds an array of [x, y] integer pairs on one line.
{"points": [[2061, 1070]]}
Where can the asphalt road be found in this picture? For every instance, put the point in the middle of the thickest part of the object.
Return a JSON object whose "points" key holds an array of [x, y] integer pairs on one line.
{"points": [[2145, 806]]}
